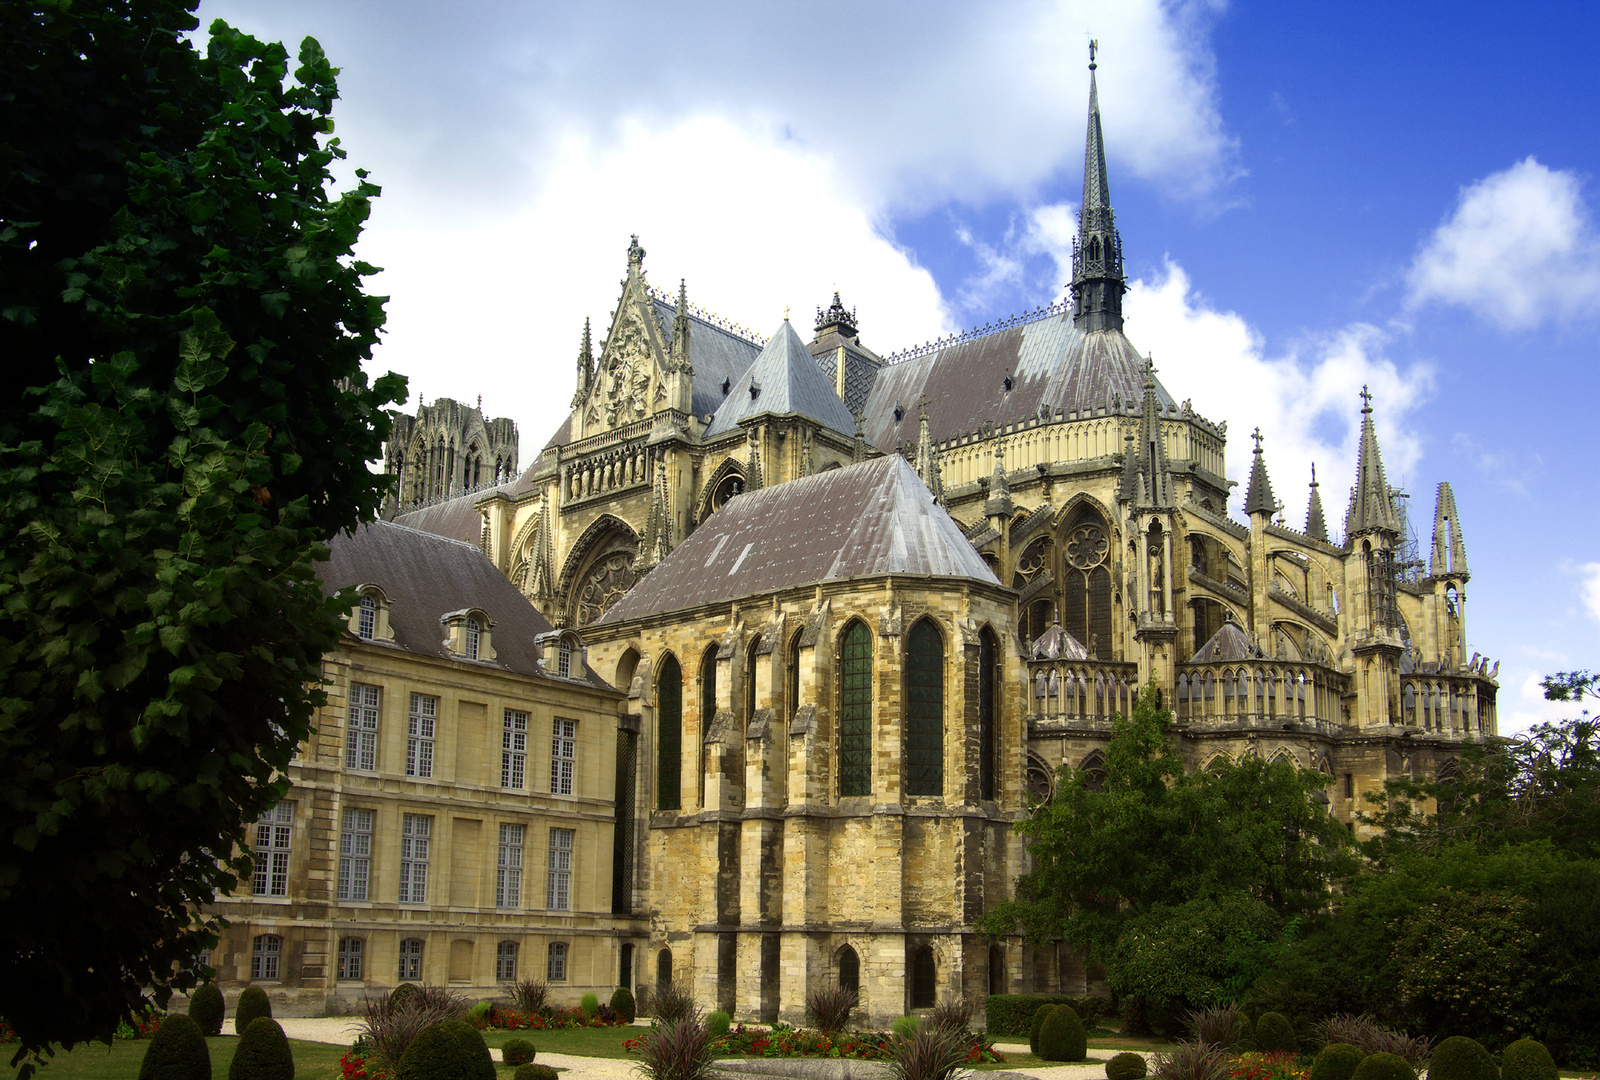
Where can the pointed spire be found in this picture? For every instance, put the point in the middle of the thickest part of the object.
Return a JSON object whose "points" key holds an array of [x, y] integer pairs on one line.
{"points": [[927, 461], [1449, 548], [1097, 279], [1128, 490], [1258, 496], [1316, 525], [585, 367], [999, 503], [1371, 508], [1149, 481], [680, 331], [859, 453]]}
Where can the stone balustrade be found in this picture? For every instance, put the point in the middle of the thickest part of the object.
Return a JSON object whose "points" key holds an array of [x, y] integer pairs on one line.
{"points": [[1459, 704], [1260, 692], [1079, 693]]}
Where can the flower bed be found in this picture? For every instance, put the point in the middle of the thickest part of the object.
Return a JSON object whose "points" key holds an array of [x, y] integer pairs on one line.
{"points": [[784, 1042], [553, 1020], [359, 1063], [1277, 1065]]}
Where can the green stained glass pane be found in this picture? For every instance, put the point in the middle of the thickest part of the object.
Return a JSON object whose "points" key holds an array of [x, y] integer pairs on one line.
{"points": [[855, 712], [924, 711], [669, 735]]}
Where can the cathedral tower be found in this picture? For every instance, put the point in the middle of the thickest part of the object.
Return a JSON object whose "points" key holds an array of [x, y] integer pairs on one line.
{"points": [[1097, 279]]}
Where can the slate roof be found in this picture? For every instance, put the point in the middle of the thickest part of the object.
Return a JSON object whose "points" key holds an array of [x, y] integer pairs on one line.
{"points": [[716, 355], [784, 379], [426, 576], [865, 520], [455, 518], [1228, 644], [1050, 362]]}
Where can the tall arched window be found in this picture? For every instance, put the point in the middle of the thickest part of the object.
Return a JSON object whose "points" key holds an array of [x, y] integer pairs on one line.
{"points": [[367, 624], [752, 662], [663, 969], [924, 977], [669, 735], [849, 970], [1086, 583], [708, 711], [473, 632], [988, 721], [792, 669], [924, 710], [855, 710], [997, 970]]}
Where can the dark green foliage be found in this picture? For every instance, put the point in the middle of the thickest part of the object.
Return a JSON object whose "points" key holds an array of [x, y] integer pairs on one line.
{"points": [[1040, 1015], [678, 1050], [673, 1002], [253, 1003], [828, 1006], [929, 1053], [1385, 1067], [476, 1063], [1218, 1025], [906, 1026], [1062, 1037], [1127, 1066], [718, 1023], [263, 1053], [1527, 1059], [623, 1005], [1370, 1037], [534, 1071], [1461, 1058], [589, 1004], [433, 1055], [1012, 1014], [183, 419], [1192, 1061], [402, 994], [953, 1013], [1336, 1061], [1274, 1034], [518, 1052], [177, 1052], [1246, 1039], [1180, 958], [207, 1009]]}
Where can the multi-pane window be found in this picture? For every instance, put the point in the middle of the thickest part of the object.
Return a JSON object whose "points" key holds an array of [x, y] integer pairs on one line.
{"points": [[420, 724], [414, 832], [564, 658], [855, 711], [563, 752], [555, 965], [470, 639], [410, 959], [355, 853], [505, 961], [272, 851], [351, 951], [367, 619], [508, 867], [669, 735], [361, 735], [264, 954], [514, 750], [924, 711], [558, 886]]}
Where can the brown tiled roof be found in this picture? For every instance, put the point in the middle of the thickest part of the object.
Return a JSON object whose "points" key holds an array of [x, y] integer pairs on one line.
{"points": [[425, 576], [864, 520]]}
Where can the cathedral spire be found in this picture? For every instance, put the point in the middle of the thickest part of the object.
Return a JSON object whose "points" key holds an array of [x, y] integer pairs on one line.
{"points": [[1371, 508], [1316, 525], [585, 367], [680, 331], [1258, 496], [1449, 549], [1097, 280], [1149, 483]]}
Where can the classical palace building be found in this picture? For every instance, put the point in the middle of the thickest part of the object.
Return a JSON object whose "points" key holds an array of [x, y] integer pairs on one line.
{"points": [[858, 611]]}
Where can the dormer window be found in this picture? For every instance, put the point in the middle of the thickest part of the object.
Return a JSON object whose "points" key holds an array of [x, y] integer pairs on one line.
{"points": [[561, 654], [367, 618], [471, 635], [468, 634], [564, 658]]}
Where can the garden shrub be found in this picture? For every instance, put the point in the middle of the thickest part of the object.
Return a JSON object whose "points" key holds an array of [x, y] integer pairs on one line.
{"points": [[673, 1002], [263, 1053], [1274, 1034], [1336, 1061], [1127, 1066], [1012, 1014], [1192, 1061], [207, 1009], [953, 1014], [403, 993], [1384, 1067], [178, 1052], [1371, 1037], [1245, 1041], [1527, 1059], [906, 1026], [433, 1055], [929, 1053], [828, 1006], [623, 1005], [1217, 1025], [1135, 1017], [532, 996], [534, 1072], [476, 1061], [253, 1003], [718, 1023], [518, 1052], [389, 1024], [482, 1011], [1062, 1038], [680, 1050], [1461, 1058], [1040, 1015], [589, 1004]]}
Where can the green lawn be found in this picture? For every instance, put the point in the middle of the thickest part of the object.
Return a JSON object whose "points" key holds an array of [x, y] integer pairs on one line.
{"points": [[121, 1060], [585, 1042]]}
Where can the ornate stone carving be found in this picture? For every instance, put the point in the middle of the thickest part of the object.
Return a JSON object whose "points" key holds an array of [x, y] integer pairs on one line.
{"points": [[605, 582]]}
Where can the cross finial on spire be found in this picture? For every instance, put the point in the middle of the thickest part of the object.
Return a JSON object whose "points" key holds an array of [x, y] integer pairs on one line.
{"points": [[1366, 398], [1313, 474], [1093, 47], [922, 406], [786, 313], [1256, 435]]}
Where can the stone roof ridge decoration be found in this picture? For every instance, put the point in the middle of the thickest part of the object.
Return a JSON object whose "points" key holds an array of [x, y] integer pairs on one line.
{"points": [[868, 520], [1258, 495], [1228, 645], [1060, 307], [837, 318], [784, 379], [1371, 505], [695, 311]]}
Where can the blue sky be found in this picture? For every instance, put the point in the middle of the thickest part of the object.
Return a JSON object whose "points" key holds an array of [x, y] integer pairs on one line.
{"points": [[1312, 197]]}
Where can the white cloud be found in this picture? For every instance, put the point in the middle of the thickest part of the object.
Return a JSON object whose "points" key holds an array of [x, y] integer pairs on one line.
{"points": [[1518, 250], [1589, 588], [1304, 400]]}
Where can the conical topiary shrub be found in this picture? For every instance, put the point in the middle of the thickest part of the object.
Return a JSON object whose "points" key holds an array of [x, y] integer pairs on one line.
{"points": [[623, 1005], [1461, 1058], [1127, 1066], [1274, 1034], [1384, 1067], [1527, 1059], [432, 1055], [1062, 1037], [476, 1061], [253, 1003], [177, 1051], [518, 1052], [1040, 1015], [263, 1053], [207, 1009], [1336, 1061]]}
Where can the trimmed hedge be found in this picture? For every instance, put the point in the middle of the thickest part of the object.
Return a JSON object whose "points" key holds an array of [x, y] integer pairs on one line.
{"points": [[207, 1009], [1062, 1037], [589, 1004], [263, 1053], [476, 1061], [177, 1051], [432, 1055], [398, 996], [518, 1052], [1012, 1014], [1527, 1059], [1385, 1067], [1127, 1066], [534, 1072], [1336, 1061], [1040, 1015], [623, 1005], [1274, 1034], [253, 1004], [718, 1023], [1461, 1058]]}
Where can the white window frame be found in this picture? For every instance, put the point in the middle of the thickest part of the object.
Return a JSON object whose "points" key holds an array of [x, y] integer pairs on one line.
{"points": [[410, 960], [555, 962], [514, 751], [422, 723], [471, 635], [563, 755], [415, 832], [564, 658], [508, 866], [361, 729], [505, 961], [266, 956], [558, 880], [355, 853], [367, 618], [352, 956], [274, 837]]}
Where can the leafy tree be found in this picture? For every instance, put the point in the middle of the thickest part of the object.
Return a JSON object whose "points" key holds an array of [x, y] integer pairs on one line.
{"points": [[183, 421]]}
